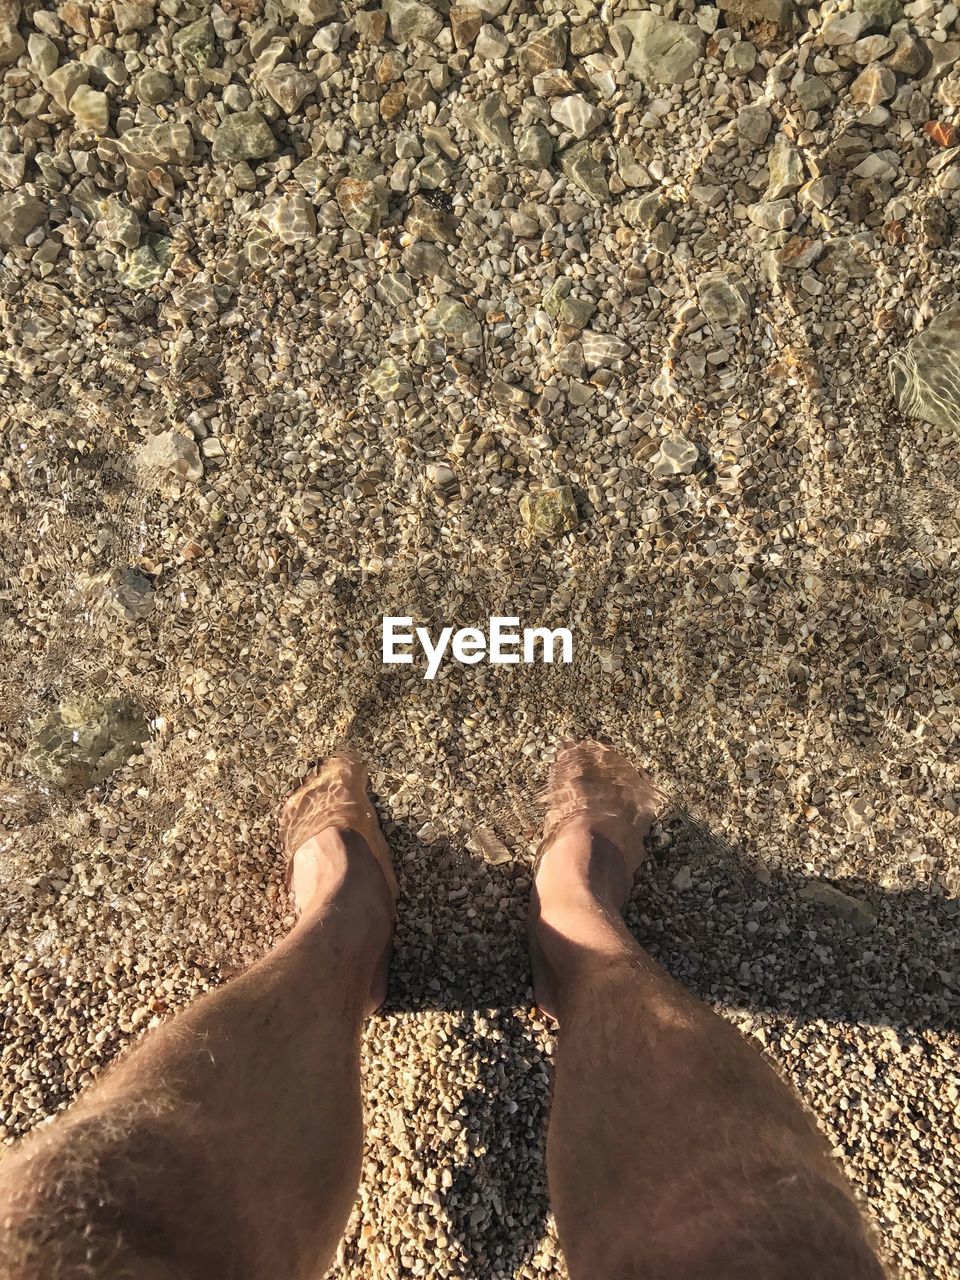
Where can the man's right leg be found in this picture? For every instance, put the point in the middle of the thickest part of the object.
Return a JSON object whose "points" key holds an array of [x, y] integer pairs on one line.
{"points": [[227, 1146], [674, 1152]]}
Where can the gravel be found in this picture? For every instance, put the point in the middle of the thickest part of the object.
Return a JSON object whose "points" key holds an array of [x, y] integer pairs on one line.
{"points": [[634, 323]]}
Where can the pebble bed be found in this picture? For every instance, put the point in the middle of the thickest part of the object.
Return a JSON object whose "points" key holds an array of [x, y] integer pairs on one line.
{"points": [[640, 321]]}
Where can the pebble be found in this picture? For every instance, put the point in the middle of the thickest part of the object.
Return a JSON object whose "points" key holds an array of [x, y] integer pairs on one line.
{"points": [[244, 135], [926, 372], [662, 52], [550, 512], [677, 456]]}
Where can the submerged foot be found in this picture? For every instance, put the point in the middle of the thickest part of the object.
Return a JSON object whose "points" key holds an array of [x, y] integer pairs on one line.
{"points": [[337, 858], [599, 813]]}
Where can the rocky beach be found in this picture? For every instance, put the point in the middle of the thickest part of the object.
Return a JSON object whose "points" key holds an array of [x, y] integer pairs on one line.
{"points": [[637, 320]]}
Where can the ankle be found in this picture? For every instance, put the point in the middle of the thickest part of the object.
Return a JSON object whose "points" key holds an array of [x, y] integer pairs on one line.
{"points": [[336, 877], [582, 870]]}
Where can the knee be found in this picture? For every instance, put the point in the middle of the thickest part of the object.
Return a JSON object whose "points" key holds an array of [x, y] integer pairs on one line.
{"points": [[99, 1198]]}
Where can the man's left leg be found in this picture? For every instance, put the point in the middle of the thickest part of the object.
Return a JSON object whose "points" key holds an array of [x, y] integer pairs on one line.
{"points": [[228, 1145]]}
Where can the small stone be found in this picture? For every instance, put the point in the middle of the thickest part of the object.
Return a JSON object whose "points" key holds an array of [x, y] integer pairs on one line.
{"points": [[390, 380], [82, 742], [554, 296], [362, 202], [91, 109], [13, 168], [909, 58], [327, 39], [934, 222], [149, 263], [63, 83], [171, 460], [551, 84], [843, 28], [855, 911], [772, 215], [44, 54], [871, 49], [12, 44], [292, 218], [491, 44], [601, 349], [926, 373], [427, 222], [662, 236], [576, 312], [393, 103], [589, 37], [129, 593], [724, 299], [309, 12], [20, 214], [798, 254], [197, 43], [545, 51], [132, 17], [550, 512], [754, 123], [875, 84], [153, 87], [585, 171], [245, 135], [786, 170], [454, 320], [819, 192], [425, 261], [288, 86], [682, 881], [105, 65], [119, 223], [411, 22], [577, 114], [662, 52], [465, 24], [779, 12], [880, 14], [488, 120], [644, 211], [677, 456], [535, 148], [814, 94], [943, 134], [371, 25], [237, 97], [157, 144], [741, 59]]}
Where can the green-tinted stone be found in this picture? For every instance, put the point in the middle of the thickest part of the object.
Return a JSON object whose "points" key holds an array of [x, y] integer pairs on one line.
{"points": [[82, 742], [454, 320], [390, 380], [244, 135], [585, 171], [577, 312], [197, 43], [148, 264], [882, 13], [551, 512]]}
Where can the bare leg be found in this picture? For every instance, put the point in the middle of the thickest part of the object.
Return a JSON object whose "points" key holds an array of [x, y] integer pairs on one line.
{"points": [[228, 1145], [674, 1151]]}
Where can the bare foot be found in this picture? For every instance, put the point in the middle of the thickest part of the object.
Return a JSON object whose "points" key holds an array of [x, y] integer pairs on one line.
{"points": [[336, 855], [599, 813]]}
